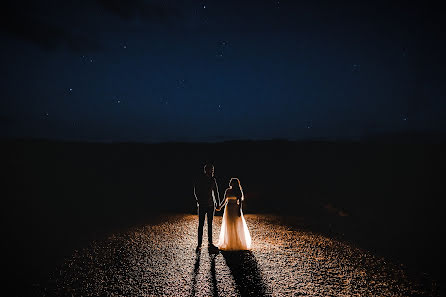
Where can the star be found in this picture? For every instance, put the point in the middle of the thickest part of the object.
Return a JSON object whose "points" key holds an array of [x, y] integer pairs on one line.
{"points": [[70, 89], [181, 82]]}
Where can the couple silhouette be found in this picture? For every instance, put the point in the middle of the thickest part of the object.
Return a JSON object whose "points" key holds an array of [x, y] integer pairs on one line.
{"points": [[234, 233]]}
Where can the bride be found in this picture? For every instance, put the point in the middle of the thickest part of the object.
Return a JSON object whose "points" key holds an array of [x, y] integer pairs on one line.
{"points": [[234, 234]]}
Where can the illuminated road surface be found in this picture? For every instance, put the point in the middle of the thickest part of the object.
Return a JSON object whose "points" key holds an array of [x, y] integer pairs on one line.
{"points": [[160, 260]]}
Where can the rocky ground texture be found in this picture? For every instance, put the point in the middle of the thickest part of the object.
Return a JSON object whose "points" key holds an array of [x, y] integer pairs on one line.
{"points": [[160, 260]]}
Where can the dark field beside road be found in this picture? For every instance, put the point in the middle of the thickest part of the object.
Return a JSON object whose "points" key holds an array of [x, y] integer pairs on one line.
{"points": [[381, 197]]}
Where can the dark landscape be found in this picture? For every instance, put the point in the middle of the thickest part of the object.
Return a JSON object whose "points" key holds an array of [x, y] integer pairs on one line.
{"points": [[330, 113], [386, 197]]}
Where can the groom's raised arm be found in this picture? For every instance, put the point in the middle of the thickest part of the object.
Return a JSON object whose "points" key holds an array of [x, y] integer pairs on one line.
{"points": [[195, 191], [216, 191]]}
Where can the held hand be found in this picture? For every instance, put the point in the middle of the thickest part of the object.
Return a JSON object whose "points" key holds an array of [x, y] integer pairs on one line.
{"points": [[219, 207]]}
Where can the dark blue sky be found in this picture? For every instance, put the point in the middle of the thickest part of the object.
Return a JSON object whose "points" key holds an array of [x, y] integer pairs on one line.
{"points": [[218, 70]]}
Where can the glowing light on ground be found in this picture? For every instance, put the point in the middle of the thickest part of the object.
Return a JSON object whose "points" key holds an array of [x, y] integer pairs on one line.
{"points": [[160, 259]]}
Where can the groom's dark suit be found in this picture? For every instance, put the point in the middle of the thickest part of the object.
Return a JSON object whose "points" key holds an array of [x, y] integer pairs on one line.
{"points": [[205, 190]]}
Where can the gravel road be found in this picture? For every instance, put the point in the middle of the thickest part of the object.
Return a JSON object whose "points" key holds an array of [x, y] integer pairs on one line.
{"points": [[160, 260]]}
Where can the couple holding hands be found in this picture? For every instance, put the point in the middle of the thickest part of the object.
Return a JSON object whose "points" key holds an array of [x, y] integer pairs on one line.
{"points": [[234, 233]]}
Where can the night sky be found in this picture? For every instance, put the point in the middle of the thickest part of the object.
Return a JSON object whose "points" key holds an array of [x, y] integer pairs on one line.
{"points": [[218, 70]]}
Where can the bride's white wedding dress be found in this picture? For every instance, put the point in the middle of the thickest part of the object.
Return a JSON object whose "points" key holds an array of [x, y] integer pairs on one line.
{"points": [[234, 233]]}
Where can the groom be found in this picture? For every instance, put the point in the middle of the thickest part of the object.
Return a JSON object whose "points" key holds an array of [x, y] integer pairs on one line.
{"points": [[205, 190]]}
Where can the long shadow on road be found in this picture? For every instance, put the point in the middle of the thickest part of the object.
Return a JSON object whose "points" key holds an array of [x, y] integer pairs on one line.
{"points": [[214, 278], [244, 269], [212, 255], [246, 272], [195, 273]]}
